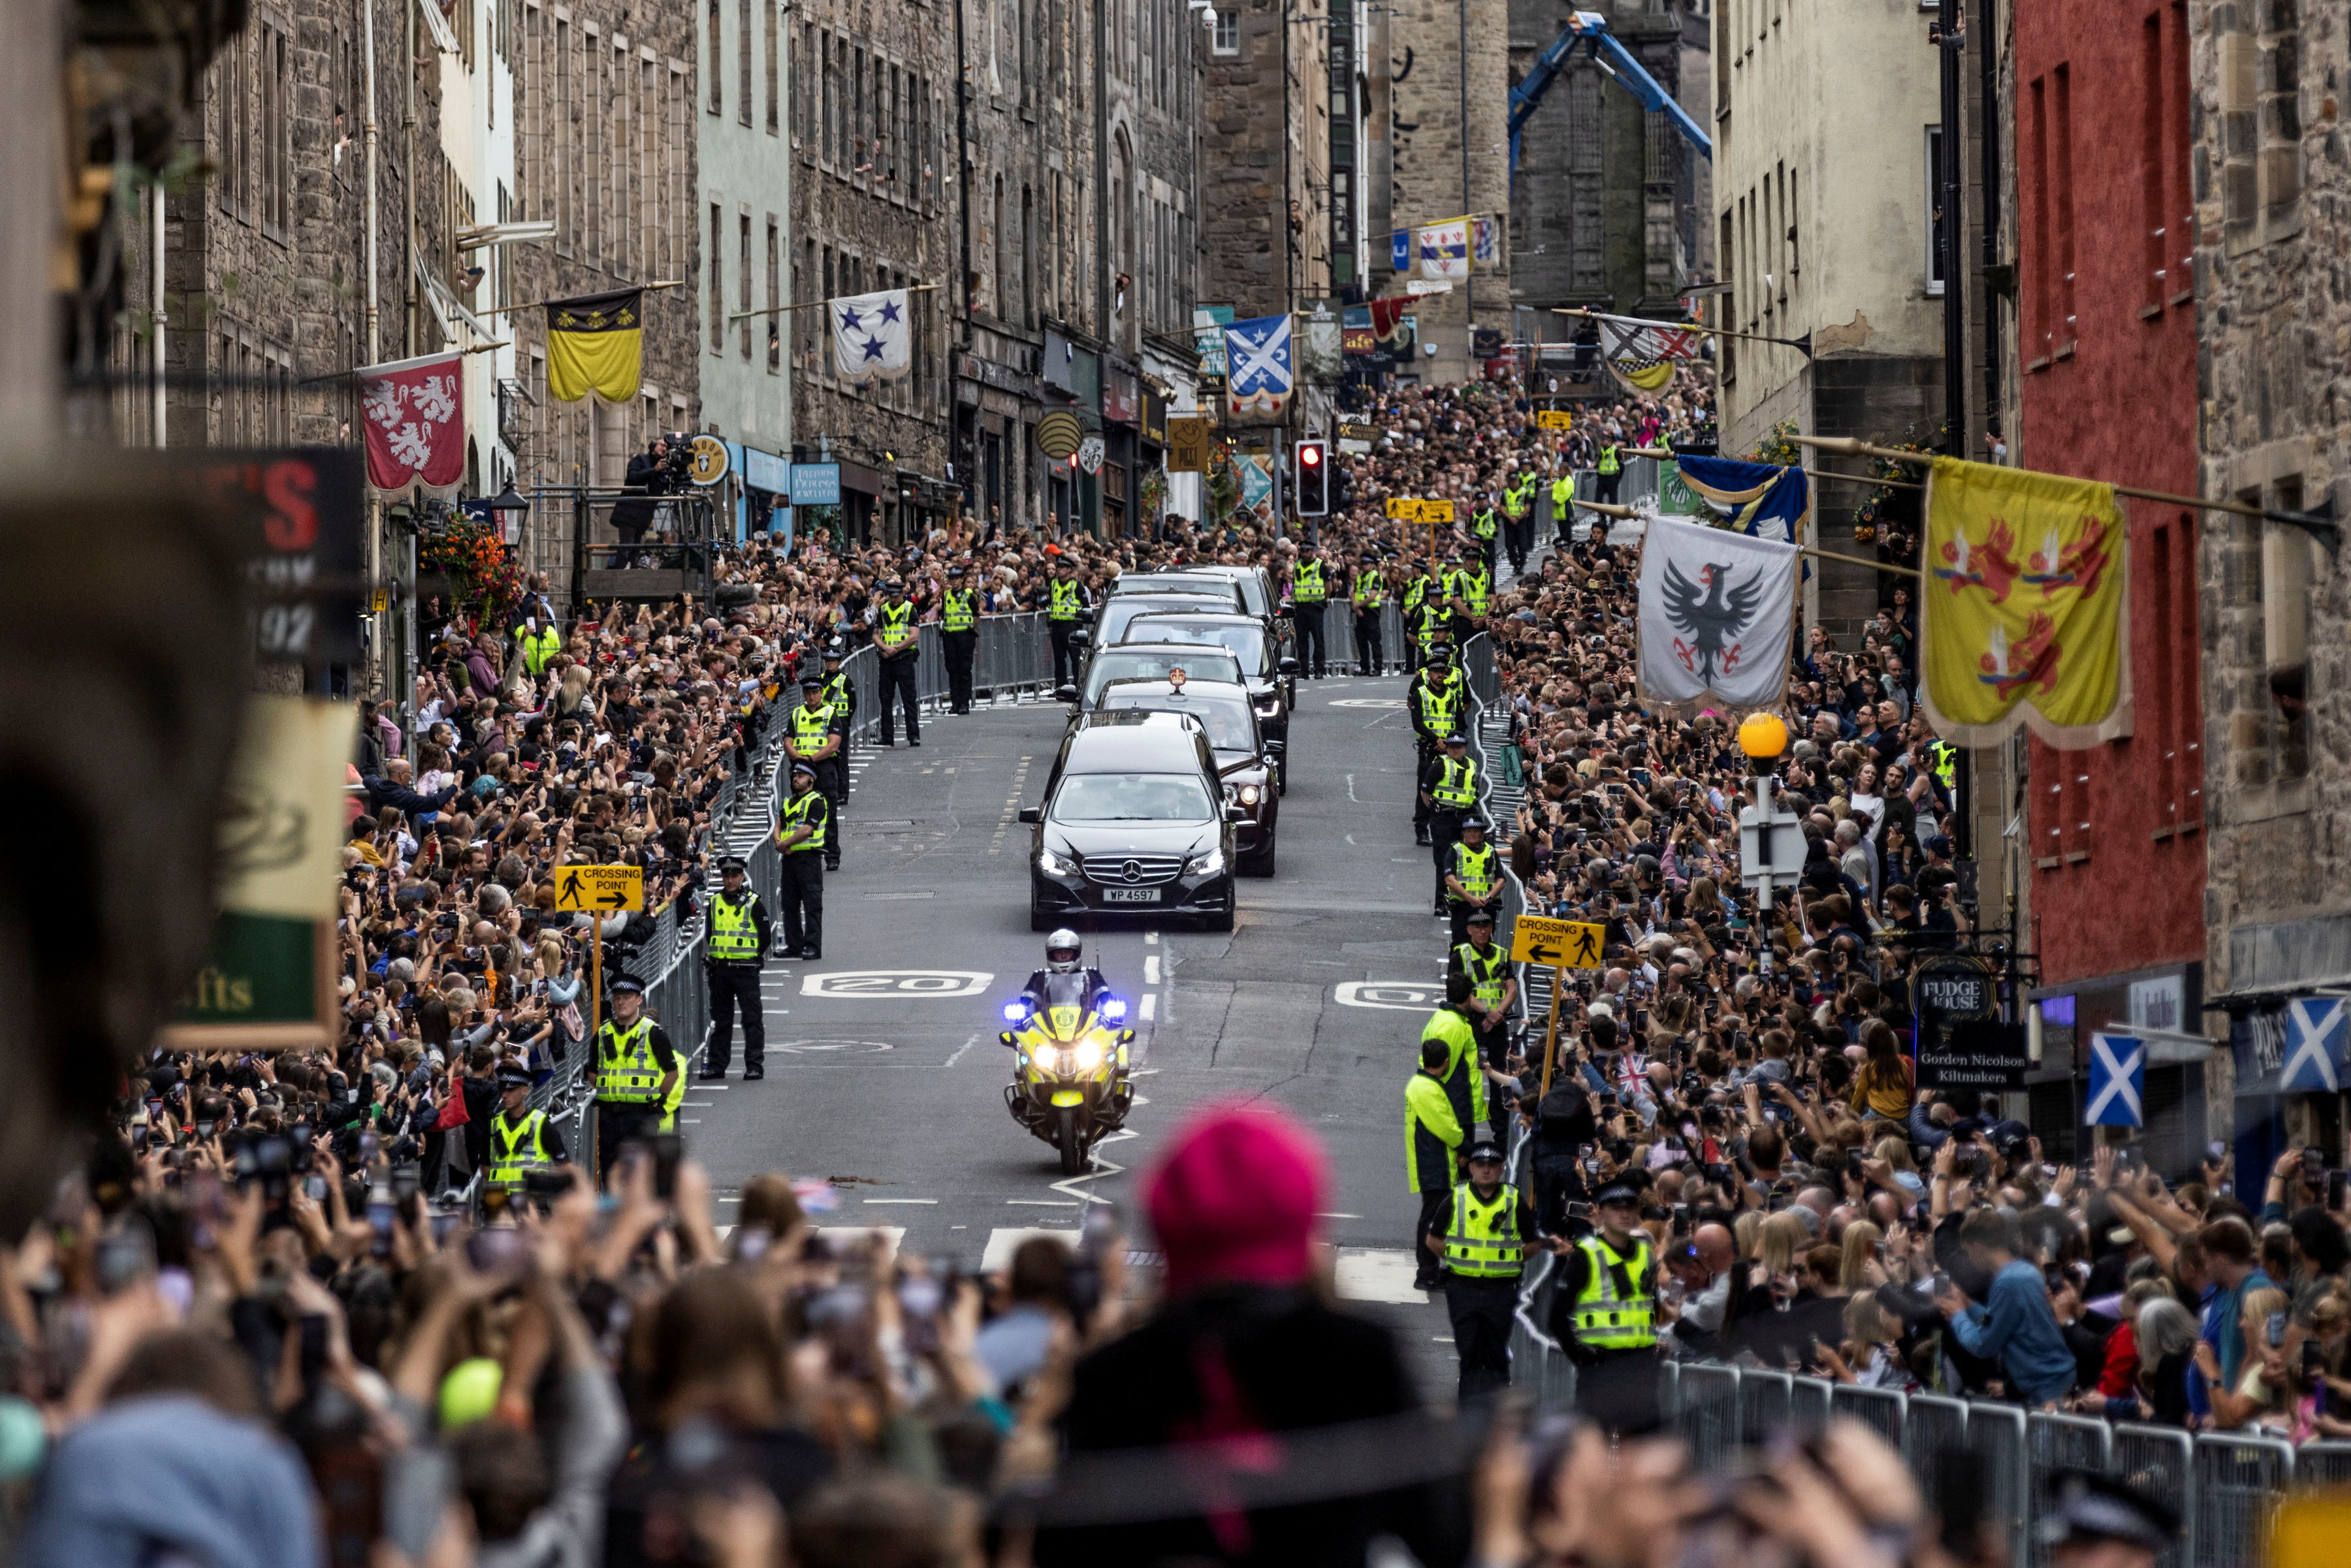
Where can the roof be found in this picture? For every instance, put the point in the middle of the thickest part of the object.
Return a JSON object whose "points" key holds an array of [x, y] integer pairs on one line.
{"points": [[1131, 739]]}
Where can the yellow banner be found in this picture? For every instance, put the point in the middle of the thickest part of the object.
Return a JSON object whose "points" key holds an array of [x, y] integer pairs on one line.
{"points": [[596, 343], [2021, 615]]}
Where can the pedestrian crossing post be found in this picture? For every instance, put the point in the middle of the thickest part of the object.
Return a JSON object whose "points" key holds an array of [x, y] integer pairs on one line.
{"points": [[1551, 1034]]}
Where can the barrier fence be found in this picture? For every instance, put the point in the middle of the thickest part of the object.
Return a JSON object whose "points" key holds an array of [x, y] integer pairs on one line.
{"points": [[1013, 656]]}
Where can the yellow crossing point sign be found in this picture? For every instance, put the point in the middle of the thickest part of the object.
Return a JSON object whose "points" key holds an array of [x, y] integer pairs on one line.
{"points": [[1436, 511], [605, 889], [1563, 944], [1403, 508], [1554, 419]]}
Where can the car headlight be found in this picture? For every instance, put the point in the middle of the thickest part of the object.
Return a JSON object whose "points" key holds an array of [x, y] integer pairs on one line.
{"points": [[1269, 708], [1251, 795], [1207, 864], [1053, 865]]}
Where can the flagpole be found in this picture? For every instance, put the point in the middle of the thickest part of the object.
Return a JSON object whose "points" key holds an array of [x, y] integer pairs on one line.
{"points": [[1610, 510], [812, 304], [1802, 345], [534, 303]]}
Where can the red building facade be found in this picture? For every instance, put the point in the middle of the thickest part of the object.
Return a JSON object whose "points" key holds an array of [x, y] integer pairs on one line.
{"points": [[2107, 344]]}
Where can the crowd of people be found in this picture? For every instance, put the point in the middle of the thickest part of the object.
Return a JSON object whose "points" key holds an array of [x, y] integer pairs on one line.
{"points": [[258, 1327]]}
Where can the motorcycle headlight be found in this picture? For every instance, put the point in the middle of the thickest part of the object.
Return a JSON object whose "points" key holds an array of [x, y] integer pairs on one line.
{"points": [[1089, 1056], [1015, 1012], [1053, 865], [1112, 1009], [1250, 794], [1205, 864]]}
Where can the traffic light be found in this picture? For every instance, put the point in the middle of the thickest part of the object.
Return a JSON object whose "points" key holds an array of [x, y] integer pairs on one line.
{"points": [[1313, 474]]}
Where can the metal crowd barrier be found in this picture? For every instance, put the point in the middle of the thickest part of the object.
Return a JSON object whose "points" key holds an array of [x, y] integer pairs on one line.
{"points": [[1339, 638], [2161, 1462], [1013, 656]]}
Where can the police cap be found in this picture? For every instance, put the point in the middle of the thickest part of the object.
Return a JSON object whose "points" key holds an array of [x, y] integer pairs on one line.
{"points": [[2085, 1506], [1616, 1193], [1469, 822], [800, 768], [731, 865], [515, 1076], [956, 570], [1485, 1149], [894, 586], [627, 983], [1457, 739], [1481, 917], [813, 681]]}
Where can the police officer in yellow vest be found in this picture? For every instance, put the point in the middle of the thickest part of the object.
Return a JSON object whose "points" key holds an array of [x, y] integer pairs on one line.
{"points": [[1480, 1235], [1604, 1314], [801, 833], [1463, 1079], [1470, 587], [1309, 590], [1449, 785], [1493, 984], [1369, 594], [1473, 877], [735, 946], [897, 644], [1432, 1144], [1065, 604], [636, 1068], [539, 643], [1611, 468], [520, 1138], [1434, 700], [960, 634], [1483, 526], [819, 729], [1417, 590], [1563, 507]]}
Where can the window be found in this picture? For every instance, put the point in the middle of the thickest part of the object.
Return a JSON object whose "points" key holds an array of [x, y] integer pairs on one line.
{"points": [[717, 48], [2260, 124], [2061, 164], [1227, 37], [775, 297], [598, 88], [276, 146], [618, 93], [717, 280], [831, 101], [775, 68], [651, 189], [2285, 581], [1934, 210], [743, 61], [565, 90], [743, 280]]}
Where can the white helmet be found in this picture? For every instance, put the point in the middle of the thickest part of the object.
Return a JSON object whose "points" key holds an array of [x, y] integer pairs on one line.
{"points": [[1062, 952]]}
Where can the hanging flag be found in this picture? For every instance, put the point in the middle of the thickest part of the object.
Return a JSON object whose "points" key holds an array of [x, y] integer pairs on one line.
{"points": [[2118, 1082], [596, 343], [1443, 248], [1486, 241], [2317, 1028], [1763, 500], [1209, 322], [2021, 617], [1642, 354], [873, 335], [414, 411], [1400, 250], [1716, 615], [1387, 317], [1259, 383]]}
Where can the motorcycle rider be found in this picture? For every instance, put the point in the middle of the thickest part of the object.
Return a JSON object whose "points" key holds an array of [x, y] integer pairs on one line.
{"points": [[1065, 954]]}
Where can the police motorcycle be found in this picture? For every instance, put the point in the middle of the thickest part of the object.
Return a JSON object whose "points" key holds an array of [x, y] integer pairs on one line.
{"points": [[1070, 1085]]}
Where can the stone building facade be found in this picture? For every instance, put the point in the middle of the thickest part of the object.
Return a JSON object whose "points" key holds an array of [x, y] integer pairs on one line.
{"points": [[743, 170], [1266, 236], [2270, 179]]}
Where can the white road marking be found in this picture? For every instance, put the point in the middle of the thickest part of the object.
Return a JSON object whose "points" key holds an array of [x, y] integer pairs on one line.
{"points": [[896, 984], [1150, 1006], [1151, 968], [1040, 1203], [1328, 1215], [1151, 938], [1377, 1274], [1402, 996], [1004, 1240], [966, 1045], [898, 1200]]}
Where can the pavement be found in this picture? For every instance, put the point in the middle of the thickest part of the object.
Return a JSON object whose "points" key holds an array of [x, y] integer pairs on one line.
{"points": [[884, 1074]]}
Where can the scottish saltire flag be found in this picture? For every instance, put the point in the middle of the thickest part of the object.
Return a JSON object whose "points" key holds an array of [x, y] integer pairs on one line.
{"points": [[1400, 250], [1641, 354], [873, 335], [1760, 499], [1486, 241], [1259, 376], [1443, 248], [2317, 1028], [2118, 1082]]}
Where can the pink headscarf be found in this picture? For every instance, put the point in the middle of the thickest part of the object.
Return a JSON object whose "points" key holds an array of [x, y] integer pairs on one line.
{"points": [[1234, 1198]]}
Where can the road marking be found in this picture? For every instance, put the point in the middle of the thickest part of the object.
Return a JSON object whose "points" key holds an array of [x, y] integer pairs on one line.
{"points": [[1040, 1203], [1401, 996], [1328, 1215], [691, 1121], [1150, 1006], [1151, 968], [1151, 938], [1006, 1240], [966, 1045], [889, 1200], [1377, 1274], [1367, 702], [896, 984]]}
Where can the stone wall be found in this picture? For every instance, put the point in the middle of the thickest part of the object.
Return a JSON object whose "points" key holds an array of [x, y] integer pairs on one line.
{"points": [[1429, 82]]}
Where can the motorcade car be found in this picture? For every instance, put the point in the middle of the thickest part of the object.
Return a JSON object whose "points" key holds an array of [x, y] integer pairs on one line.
{"points": [[1133, 824], [1246, 760], [1271, 675]]}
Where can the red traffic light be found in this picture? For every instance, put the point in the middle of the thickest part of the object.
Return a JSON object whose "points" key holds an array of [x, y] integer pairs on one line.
{"points": [[1311, 456]]}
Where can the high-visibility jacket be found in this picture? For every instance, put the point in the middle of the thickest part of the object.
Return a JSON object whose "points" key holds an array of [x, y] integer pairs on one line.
{"points": [[810, 807], [840, 693], [1440, 705], [1944, 761], [1064, 605], [625, 1072], [1561, 489], [1609, 462], [734, 937], [1477, 870], [671, 1101], [1306, 582], [958, 612], [1435, 621], [515, 1147], [1482, 524], [896, 628], [1482, 1242], [1464, 1079], [1457, 785], [539, 652], [1469, 585], [1487, 971], [811, 727], [1371, 590], [1514, 502], [1415, 594], [1431, 1133], [1617, 1308]]}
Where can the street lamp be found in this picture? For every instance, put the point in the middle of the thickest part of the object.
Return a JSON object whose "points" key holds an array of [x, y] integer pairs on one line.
{"points": [[1763, 737]]}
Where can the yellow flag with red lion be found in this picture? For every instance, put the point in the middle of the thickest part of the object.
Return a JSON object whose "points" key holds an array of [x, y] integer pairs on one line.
{"points": [[2021, 617]]}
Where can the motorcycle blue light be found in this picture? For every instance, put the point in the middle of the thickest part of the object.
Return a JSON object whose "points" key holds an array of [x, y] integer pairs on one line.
{"points": [[1113, 1009], [1014, 1011]]}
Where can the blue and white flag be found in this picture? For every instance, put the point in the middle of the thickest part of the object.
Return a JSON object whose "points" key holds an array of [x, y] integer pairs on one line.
{"points": [[1443, 248], [2315, 1036], [1763, 500], [1400, 250], [873, 335], [2118, 1082], [1259, 375], [1486, 241]]}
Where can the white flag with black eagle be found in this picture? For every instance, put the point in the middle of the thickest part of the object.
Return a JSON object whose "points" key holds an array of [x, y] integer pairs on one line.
{"points": [[873, 335], [1718, 612]]}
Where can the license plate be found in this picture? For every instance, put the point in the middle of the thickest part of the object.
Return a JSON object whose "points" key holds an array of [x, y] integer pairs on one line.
{"points": [[1130, 895]]}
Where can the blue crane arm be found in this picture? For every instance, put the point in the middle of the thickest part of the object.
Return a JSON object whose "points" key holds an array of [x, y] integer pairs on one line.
{"points": [[1589, 29]]}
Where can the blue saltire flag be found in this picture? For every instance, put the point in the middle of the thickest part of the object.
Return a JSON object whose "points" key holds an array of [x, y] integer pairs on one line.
{"points": [[2118, 1082], [2317, 1028], [1258, 377], [1760, 499]]}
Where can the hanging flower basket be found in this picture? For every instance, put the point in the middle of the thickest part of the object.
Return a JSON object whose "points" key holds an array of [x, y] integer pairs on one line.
{"points": [[483, 582]]}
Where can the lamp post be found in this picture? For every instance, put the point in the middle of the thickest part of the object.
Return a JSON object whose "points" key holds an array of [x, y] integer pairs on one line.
{"points": [[1762, 737]]}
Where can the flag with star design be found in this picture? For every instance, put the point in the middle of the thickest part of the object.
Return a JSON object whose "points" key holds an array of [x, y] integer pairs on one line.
{"points": [[873, 335]]}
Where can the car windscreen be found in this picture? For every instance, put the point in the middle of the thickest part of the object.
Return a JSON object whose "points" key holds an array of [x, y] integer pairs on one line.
{"points": [[1132, 797], [1218, 586], [1120, 613], [1227, 719], [1246, 638], [1120, 664]]}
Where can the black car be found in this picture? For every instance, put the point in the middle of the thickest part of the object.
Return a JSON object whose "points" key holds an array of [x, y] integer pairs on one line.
{"points": [[1246, 760], [1148, 662], [1134, 823], [1271, 675]]}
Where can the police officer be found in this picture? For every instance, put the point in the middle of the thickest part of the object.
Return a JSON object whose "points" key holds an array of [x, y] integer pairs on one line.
{"points": [[1065, 954], [1415, 597], [1473, 877], [801, 835], [539, 643], [1563, 496], [1433, 699], [1449, 787], [819, 731], [2094, 1520], [1604, 1314], [959, 635], [1307, 593], [1468, 587], [636, 1068], [1482, 526], [1493, 985], [734, 947], [1610, 468], [1481, 1234], [1067, 599], [1464, 1081], [1432, 1142], [898, 645], [520, 1137], [1369, 594]]}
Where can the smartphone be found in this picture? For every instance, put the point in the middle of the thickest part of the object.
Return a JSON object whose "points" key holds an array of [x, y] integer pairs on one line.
{"points": [[379, 1219], [919, 1302], [500, 1253], [2275, 1329], [668, 1148]]}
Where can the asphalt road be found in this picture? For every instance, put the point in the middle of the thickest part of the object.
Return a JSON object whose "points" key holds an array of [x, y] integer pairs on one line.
{"points": [[885, 1073]]}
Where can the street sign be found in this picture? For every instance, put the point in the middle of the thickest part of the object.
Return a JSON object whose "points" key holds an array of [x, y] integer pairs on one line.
{"points": [[1781, 859], [1187, 444], [1427, 285], [1554, 419], [605, 889], [1089, 453], [1956, 1000], [1404, 508], [1436, 511], [1563, 944]]}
